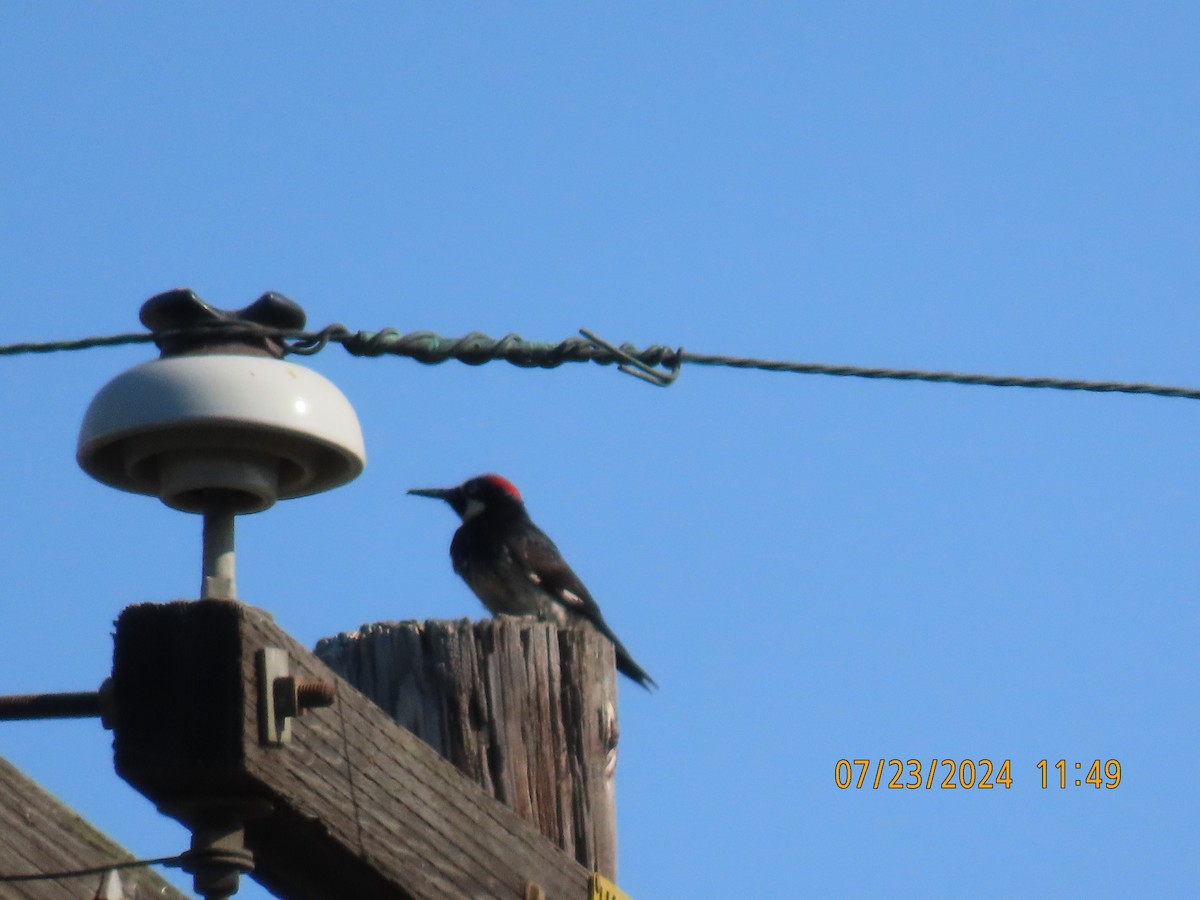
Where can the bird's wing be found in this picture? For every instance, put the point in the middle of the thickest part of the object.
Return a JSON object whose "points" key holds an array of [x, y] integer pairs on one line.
{"points": [[546, 568]]}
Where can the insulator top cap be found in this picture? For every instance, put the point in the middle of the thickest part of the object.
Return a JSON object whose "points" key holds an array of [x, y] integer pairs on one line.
{"points": [[221, 429]]}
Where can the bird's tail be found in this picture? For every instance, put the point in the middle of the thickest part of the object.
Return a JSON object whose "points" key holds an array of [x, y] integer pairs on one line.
{"points": [[626, 666]]}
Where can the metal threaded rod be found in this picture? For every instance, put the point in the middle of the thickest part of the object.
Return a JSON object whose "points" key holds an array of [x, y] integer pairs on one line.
{"points": [[82, 705]]}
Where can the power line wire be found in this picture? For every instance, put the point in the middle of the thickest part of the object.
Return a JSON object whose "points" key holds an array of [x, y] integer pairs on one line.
{"points": [[657, 363], [1023, 381], [168, 861], [113, 340]]}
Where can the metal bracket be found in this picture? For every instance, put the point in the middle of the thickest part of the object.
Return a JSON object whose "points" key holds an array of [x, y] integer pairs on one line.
{"points": [[281, 697], [274, 719]]}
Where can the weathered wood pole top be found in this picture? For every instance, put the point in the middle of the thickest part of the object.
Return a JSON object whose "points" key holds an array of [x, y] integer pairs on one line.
{"points": [[525, 709]]}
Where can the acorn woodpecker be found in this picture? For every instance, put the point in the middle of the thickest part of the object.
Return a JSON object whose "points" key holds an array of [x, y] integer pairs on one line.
{"points": [[514, 568]]}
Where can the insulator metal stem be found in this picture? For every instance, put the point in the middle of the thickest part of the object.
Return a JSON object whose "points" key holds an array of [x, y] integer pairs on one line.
{"points": [[218, 578]]}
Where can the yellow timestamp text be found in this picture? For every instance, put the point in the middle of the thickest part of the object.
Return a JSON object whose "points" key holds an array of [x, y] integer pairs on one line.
{"points": [[969, 774], [1071, 774]]}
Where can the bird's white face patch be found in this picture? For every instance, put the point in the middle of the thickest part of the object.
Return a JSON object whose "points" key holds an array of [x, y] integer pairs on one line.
{"points": [[472, 509]]}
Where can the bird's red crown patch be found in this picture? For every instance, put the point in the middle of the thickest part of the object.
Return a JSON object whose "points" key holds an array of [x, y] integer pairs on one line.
{"points": [[504, 484]]}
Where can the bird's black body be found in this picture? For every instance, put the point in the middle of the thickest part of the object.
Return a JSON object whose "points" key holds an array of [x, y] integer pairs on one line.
{"points": [[514, 568]]}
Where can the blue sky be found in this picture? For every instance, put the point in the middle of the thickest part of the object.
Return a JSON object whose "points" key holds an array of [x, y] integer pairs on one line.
{"points": [[812, 568]]}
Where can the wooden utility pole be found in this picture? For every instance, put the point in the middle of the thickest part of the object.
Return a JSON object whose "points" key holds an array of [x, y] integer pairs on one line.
{"points": [[349, 804], [524, 709]]}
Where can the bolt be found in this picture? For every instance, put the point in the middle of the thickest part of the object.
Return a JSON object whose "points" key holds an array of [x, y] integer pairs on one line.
{"points": [[313, 694]]}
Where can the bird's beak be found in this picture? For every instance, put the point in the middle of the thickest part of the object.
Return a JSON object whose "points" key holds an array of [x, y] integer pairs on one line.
{"points": [[436, 493]]}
